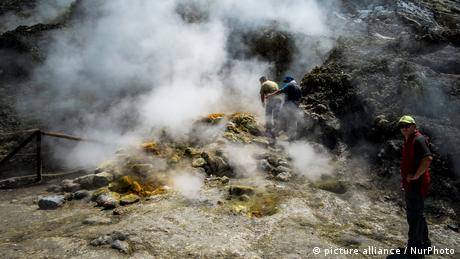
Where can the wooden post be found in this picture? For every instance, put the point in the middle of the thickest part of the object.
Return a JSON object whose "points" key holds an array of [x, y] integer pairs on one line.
{"points": [[39, 156], [18, 148]]}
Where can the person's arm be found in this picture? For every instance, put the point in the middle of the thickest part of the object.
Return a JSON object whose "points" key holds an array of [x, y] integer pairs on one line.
{"points": [[422, 147], [424, 164], [273, 94]]}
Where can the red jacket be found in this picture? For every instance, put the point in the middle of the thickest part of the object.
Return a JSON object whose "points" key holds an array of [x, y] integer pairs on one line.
{"points": [[408, 167]]}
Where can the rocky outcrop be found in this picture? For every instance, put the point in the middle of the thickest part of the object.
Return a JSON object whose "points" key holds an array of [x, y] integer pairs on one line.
{"points": [[16, 5], [271, 44], [434, 22], [391, 69]]}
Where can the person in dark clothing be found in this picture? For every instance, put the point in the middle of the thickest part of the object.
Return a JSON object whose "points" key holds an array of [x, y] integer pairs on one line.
{"points": [[415, 179], [290, 112]]}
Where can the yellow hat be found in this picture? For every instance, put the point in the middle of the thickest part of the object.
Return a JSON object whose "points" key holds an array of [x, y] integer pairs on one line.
{"points": [[406, 119]]}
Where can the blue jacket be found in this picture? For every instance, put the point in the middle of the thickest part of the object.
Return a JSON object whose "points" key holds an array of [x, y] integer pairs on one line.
{"points": [[292, 92]]}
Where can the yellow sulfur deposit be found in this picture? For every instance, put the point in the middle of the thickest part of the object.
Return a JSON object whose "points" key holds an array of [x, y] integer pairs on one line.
{"points": [[214, 117], [263, 205], [127, 184], [159, 190], [151, 147], [244, 122], [258, 205]]}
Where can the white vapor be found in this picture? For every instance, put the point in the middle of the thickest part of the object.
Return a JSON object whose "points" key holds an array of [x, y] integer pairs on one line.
{"points": [[129, 66], [243, 160], [308, 160], [188, 184]]}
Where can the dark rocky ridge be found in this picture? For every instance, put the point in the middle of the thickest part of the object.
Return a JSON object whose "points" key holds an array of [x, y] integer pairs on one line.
{"points": [[22, 50], [16, 5], [370, 80], [270, 44]]}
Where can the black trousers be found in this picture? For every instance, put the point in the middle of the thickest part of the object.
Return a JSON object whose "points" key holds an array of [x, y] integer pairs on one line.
{"points": [[418, 229]]}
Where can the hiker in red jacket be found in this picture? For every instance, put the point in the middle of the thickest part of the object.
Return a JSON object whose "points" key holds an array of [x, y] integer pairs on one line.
{"points": [[415, 179]]}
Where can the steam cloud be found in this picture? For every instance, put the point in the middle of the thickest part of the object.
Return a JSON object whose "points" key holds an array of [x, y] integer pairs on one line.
{"points": [[243, 159], [127, 67], [188, 184], [308, 160]]}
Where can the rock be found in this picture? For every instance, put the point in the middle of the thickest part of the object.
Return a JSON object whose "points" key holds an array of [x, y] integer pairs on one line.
{"points": [[216, 165], [98, 170], [235, 137], [109, 238], [453, 227], [51, 202], [215, 181], [123, 210], [117, 235], [271, 43], [283, 176], [239, 190], [108, 200], [104, 240], [262, 141], [246, 122], [68, 196], [102, 179], [129, 199], [273, 160], [244, 197], [81, 194], [53, 188], [350, 240], [281, 169], [283, 163], [142, 169], [320, 108], [331, 185], [97, 220], [69, 186], [264, 165], [224, 179], [191, 152], [99, 192], [86, 181], [121, 246], [198, 162]]}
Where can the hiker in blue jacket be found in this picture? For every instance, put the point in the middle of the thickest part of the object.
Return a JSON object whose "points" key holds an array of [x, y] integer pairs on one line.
{"points": [[290, 109]]}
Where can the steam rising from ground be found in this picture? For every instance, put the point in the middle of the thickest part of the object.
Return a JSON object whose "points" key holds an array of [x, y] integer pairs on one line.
{"points": [[243, 160], [188, 184], [308, 160], [132, 66]]}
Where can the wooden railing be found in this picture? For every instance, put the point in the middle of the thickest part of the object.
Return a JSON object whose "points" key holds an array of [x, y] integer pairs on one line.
{"points": [[37, 135]]}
